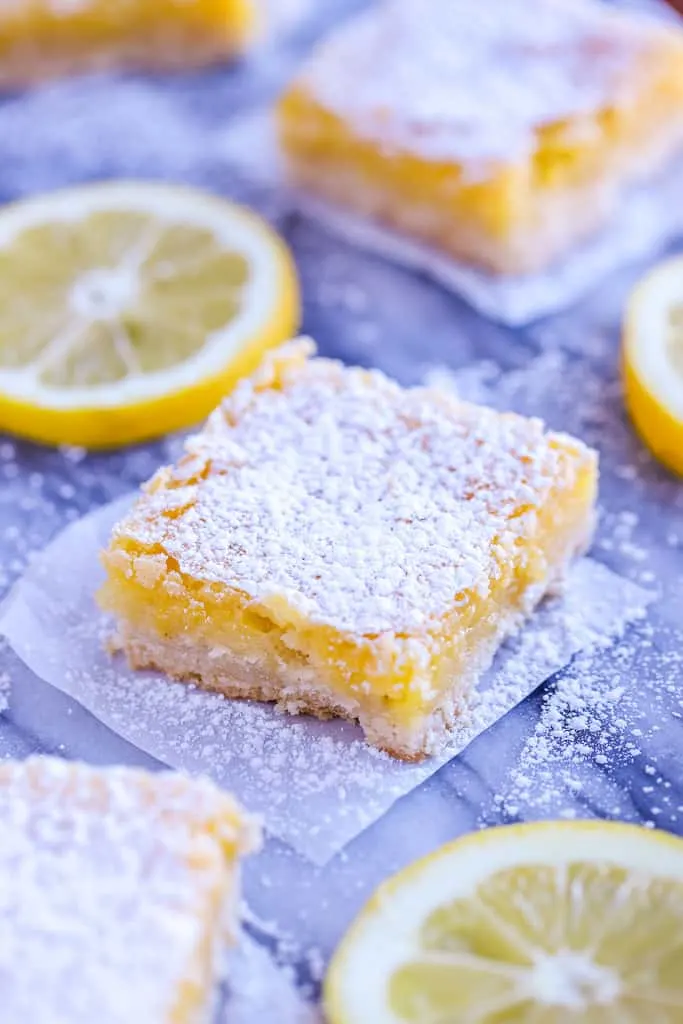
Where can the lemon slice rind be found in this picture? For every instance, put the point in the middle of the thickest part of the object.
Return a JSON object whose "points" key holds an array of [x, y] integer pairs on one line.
{"points": [[653, 385]]}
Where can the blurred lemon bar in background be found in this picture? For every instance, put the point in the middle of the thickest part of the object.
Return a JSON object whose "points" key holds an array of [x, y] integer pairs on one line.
{"points": [[653, 361], [119, 893], [129, 309], [46, 38], [500, 133]]}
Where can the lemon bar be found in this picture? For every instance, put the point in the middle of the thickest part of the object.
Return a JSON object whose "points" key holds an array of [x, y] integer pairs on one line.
{"points": [[118, 892], [344, 546], [45, 38], [500, 134]]}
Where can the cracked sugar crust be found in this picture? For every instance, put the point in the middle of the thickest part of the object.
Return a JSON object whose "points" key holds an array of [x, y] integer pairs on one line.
{"points": [[366, 506], [104, 878], [449, 82]]}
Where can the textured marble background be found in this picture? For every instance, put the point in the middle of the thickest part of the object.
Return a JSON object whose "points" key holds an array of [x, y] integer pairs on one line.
{"points": [[604, 739]]}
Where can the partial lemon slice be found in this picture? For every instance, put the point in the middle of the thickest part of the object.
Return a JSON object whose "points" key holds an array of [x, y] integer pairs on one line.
{"points": [[129, 309], [553, 923], [653, 361]]}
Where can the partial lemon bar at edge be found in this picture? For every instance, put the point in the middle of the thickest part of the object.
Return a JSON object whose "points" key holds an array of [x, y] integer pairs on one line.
{"points": [[49, 38], [119, 891]]}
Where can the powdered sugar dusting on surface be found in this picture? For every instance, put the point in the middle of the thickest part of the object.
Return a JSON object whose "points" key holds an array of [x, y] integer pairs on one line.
{"points": [[111, 888], [597, 718], [367, 506], [600, 716], [83, 129], [448, 82]]}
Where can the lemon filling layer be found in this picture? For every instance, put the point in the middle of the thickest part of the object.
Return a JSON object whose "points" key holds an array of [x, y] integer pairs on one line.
{"points": [[407, 673]]}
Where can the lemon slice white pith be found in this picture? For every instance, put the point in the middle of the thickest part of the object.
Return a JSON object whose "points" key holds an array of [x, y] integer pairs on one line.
{"points": [[557, 923], [128, 309]]}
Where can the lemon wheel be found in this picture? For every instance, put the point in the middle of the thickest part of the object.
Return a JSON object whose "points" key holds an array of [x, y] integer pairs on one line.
{"points": [[551, 923], [128, 310]]}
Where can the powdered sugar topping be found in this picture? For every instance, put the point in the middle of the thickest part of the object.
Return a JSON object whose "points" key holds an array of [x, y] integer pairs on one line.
{"points": [[110, 874], [451, 81], [360, 503]]}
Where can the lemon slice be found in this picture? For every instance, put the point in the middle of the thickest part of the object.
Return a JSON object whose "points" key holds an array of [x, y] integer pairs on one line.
{"points": [[553, 923], [129, 309], [653, 362]]}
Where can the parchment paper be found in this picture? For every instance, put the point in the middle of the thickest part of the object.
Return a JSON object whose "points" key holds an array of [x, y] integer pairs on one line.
{"points": [[316, 783]]}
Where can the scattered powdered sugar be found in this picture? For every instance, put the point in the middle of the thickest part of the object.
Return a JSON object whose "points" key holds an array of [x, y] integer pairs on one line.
{"points": [[593, 725], [41, 489], [317, 783], [578, 721], [453, 83], [473, 383], [577, 396], [114, 126], [258, 991], [110, 886], [587, 399]]}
